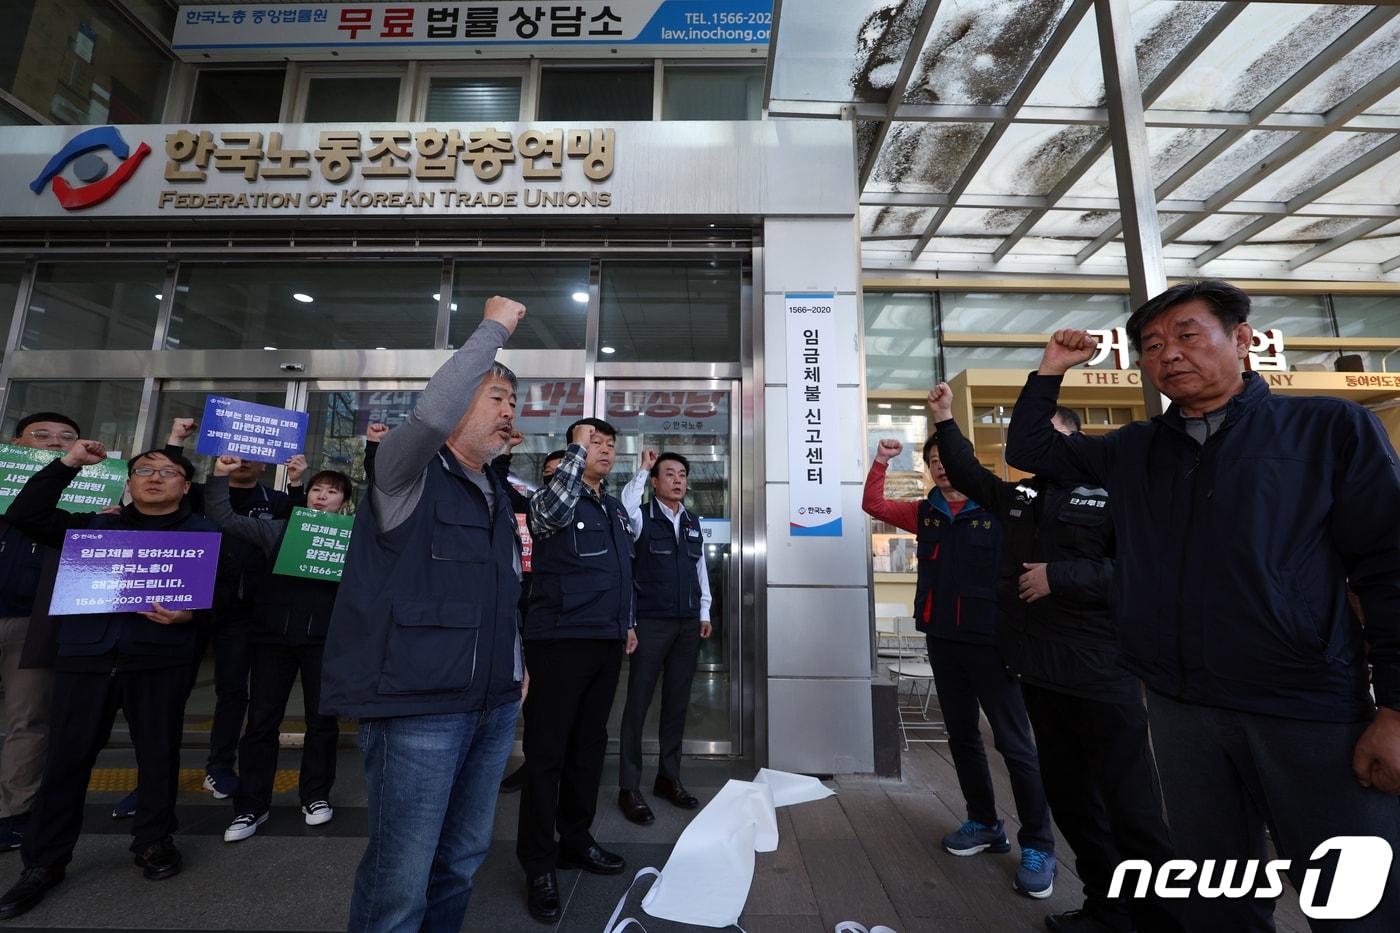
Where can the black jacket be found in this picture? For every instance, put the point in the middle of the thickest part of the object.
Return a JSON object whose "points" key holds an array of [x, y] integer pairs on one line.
{"points": [[1065, 641], [1234, 556]]}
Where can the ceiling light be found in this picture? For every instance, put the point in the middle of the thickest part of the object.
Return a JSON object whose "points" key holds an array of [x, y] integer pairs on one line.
{"points": [[381, 348], [884, 405], [303, 297], [269, 348], [608, 349], [437, 297], [160, 298], [454, 306], [581, 297], [916, 408]]}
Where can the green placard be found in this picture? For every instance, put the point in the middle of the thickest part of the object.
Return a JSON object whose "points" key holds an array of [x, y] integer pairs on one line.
{"points": [[94, 488], [315, 545]]}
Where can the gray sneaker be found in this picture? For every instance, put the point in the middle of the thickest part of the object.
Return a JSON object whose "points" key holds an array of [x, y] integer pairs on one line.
{"points": [[974, 837]]}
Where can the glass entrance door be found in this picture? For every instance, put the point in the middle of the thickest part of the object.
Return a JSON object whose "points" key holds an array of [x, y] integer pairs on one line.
{"points": [[696, 420]]}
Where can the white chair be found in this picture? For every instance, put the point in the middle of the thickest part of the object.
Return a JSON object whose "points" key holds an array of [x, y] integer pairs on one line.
{"points": [[911, 669]]}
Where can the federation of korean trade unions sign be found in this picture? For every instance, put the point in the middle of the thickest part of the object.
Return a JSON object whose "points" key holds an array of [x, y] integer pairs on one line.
{"points": [[814, 441], [428, 29]]}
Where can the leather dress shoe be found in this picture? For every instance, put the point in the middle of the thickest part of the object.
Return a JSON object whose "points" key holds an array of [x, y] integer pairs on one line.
{"points": [[675, 792], [29, 890], [160, 860], [542, 895], [634, 807], [595, 860]]}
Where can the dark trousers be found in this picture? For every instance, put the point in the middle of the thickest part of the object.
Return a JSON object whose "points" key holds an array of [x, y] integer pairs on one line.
{"points": [[1226, 775], [1100, 779], [572, 682], [233, 656], [970, 680], [275, 667], [80, 722], [667, 649]]}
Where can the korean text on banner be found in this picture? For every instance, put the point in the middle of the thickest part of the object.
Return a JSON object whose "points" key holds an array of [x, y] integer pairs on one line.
{"points": [[315, 545], [250, 431], [128, 571], [527, 543], [95, 488], [814, 441]]}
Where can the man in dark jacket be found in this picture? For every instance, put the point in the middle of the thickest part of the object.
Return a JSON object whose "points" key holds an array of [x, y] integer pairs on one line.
{"points": [[139, 662], [28, 691], [424, 645], [1056, 635], [580, 618], [1242, 517], [959, 543]]}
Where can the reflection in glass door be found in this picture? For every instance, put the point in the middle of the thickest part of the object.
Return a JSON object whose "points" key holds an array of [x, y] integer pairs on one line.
{"points": [[693, 419]]}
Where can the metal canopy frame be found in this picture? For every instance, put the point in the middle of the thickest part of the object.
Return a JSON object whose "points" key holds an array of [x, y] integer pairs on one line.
{"points": [[1304, 132]]}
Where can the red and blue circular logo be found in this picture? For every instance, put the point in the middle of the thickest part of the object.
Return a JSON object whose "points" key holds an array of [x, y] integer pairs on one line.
{"points": [[100, 179]]}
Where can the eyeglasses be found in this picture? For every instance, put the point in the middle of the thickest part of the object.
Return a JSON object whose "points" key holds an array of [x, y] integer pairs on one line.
{"points": [[67, 437], [163, 473]]}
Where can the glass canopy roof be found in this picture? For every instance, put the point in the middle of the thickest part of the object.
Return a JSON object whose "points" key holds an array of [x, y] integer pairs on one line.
{"points": [[982, 130]]}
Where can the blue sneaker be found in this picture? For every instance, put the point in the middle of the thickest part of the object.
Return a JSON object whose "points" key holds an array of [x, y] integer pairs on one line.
{"points": [[974, 837], [222, 783], [125, 808], [1036, 876]]}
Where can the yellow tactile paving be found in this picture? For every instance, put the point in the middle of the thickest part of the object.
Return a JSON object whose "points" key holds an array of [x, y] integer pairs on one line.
{"points": [[191, 779]]}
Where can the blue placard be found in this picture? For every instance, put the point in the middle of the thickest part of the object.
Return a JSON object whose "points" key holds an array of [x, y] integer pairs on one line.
{"points": [[250, 431]]}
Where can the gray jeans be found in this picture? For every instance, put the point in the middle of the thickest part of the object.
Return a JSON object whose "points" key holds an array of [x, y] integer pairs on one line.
{"points": [[28, 693], [1226, 775]]}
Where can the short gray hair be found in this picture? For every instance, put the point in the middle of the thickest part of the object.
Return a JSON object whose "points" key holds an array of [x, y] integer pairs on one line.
{"points": [[501, 371]]}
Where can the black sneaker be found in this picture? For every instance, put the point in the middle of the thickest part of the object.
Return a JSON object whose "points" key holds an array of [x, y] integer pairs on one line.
{"points": [[29, 890], [160, 860], [1082, 921]]}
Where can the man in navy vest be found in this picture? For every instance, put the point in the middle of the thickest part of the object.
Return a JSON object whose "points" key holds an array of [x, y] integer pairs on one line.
{"points": [[673, 614], [423, 646], [580, 618]]}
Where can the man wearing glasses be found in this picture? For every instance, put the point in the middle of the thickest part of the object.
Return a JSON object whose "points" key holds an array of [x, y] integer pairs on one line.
{"points": [[140, 662], [27, 690]]}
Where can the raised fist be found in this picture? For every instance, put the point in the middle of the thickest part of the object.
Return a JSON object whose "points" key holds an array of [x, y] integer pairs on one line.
{"points": [[889, 449], [1067, 349], [85, 453], [940, 402], [583, 436], [180, 431], [516, 439], [296, 469], [225, 465], [648, 459], [375, 432], [505, 312]]}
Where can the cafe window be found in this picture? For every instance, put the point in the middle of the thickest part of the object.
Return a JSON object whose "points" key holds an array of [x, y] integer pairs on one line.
{"points": [[905, 420], [473, 99], [93, 306], [901, 346], [238, 95], [712, 93], [352, 100], [1367, 315], [596, 94], [1294, 315], [306, 305], [80, 62]]}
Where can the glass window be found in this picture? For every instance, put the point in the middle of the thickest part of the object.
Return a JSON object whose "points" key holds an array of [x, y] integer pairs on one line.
{"points": [[595, 94], [1030, 313], [1367, 315], [473, 100], [180, 404], [957, 359], [81, 62], [1295, 315], [93, 306], [901, 350], [555, 295], [240, 96], [681, 311], [310, 305], [907, 422], [10, 275], [335, 433], [352, 100], [699, 93], [105, 411]]}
